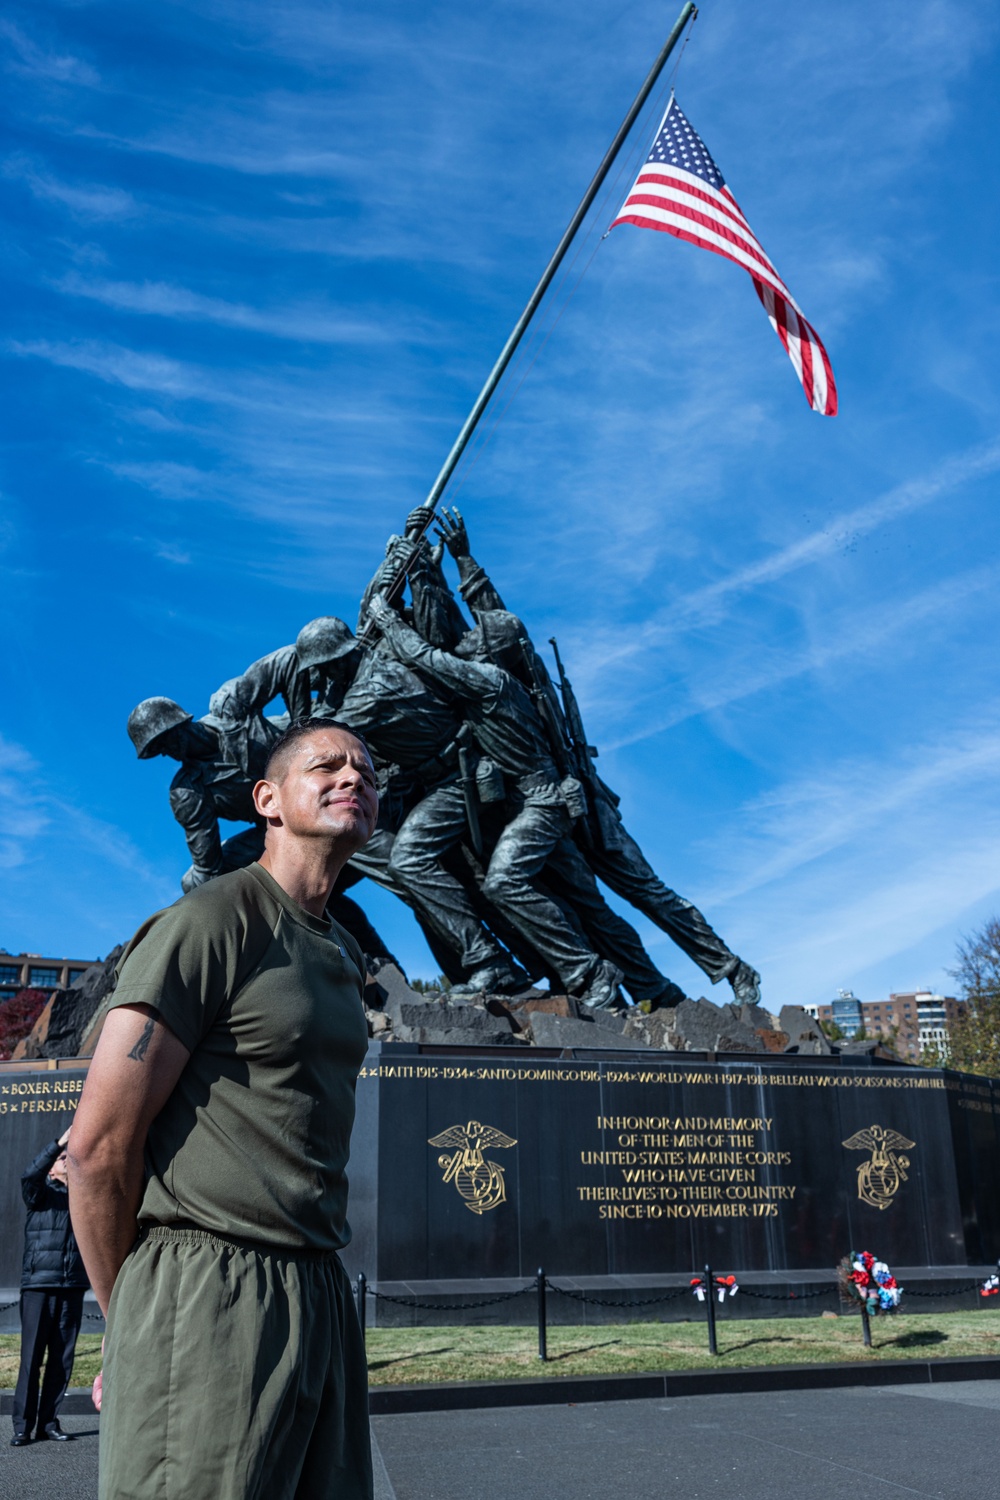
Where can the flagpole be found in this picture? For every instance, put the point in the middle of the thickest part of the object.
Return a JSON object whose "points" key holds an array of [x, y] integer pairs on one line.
{"points": [[688, 12]]}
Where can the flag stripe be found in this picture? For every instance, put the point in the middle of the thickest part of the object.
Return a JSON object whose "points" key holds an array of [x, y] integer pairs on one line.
{"points": [[749, 254], [680, 191], [687, 226]]}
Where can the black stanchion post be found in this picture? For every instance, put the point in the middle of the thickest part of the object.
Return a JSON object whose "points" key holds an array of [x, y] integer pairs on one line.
{"points": [[713, 1347], [543, 1346], [362, 1302]]}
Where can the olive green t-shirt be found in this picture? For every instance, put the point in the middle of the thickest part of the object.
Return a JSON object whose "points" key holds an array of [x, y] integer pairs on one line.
{"points": [[254, 1140]]}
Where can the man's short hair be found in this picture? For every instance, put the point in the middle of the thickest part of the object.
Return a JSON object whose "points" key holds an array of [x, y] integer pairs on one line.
{"points": [[279, 752]]}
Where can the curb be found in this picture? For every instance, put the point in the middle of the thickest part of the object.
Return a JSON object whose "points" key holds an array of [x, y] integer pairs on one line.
{"points": [[395, 1400]]}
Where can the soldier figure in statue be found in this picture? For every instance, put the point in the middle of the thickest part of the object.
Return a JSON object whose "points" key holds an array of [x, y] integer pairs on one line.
{"points": [[413, 738], [613, 853], [509, 735], [220, 762]]}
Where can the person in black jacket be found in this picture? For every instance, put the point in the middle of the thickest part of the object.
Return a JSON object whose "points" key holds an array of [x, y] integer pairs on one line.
{"points": [[53, 1282]]}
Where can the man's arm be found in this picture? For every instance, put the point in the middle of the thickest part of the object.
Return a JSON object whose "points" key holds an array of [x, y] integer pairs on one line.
{"points": [[33, 1177], [250, 693], [468, 681], [476, 587], [135, 1069]]}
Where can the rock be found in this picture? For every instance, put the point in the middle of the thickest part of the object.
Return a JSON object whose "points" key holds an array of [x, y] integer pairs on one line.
{"points": [[755, 1016], [456, 1022], [704, 1027], [69, 1014], [378, 1022], [805, 1036], [855, 1048], [611, 1020], [539, 1003], [388, 983], [773, 1041], [655, 1030], [564, 1031]]}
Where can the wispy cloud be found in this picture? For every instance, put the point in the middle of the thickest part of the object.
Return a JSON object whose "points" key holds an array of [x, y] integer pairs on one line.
{"points": [[307, 323], [856, 633], [85, 200], [28, 57]]}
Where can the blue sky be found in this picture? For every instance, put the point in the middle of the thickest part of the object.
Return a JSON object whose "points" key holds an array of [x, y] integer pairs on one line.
{"points": [[258, 258]]}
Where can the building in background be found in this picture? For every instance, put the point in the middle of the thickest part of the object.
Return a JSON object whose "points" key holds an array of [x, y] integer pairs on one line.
{"points": [[847, 1012], [909, 1021], [30, 971]]}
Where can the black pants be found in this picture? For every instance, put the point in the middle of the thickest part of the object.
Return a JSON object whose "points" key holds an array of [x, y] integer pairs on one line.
{"points": [[50, 1323]]}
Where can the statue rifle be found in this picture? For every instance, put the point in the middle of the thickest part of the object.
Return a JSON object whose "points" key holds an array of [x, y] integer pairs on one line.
{"points": [[561, 741], [394, 588], [584, 754], [470, 792]]}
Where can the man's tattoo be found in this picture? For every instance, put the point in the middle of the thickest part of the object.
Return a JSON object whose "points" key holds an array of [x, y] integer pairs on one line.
{"points": [[142, 1045]]}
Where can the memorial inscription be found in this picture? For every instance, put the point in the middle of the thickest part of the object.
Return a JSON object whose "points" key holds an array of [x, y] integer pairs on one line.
{"points": [[686, 1167], [652, 1164]]}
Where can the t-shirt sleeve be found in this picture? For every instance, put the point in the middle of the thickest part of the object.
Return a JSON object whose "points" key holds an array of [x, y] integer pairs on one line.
{"points": [[185, 963]]}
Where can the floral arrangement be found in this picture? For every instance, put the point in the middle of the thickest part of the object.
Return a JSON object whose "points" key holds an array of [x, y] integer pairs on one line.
{"points": [[868, 1281], [991, 1286], [723, 1285]]}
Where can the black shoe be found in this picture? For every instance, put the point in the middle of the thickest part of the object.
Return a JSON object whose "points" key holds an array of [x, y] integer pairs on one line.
{"points": [[20, 1440], [54, 1434]]}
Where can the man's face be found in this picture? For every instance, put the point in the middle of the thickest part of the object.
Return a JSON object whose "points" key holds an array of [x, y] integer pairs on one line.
{"points": [[326, 790], [57, 1171]]}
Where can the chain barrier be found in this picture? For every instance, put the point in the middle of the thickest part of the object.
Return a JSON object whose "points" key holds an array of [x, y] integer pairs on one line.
{"points": [[746, 1291], [449, 1306], [605, 1302], [956, 1291]]}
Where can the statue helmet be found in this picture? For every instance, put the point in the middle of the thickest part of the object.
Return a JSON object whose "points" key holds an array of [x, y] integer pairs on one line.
{"points": [[502, 637], [151, 718], [323, 641]]}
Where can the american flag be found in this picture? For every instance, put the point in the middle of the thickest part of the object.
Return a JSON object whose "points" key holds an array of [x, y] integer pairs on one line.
{"points": [[681, 190]]}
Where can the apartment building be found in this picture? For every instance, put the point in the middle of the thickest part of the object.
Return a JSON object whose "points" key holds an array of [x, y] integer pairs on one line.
{"points": [[917, 1018], [31, 971]]}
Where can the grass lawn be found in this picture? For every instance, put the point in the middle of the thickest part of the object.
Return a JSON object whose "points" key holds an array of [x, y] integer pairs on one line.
{"points": [[400, 1355]]}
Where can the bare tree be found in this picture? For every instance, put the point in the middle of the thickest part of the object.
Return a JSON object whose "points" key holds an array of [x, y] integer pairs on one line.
{"points": [[974, 1041]]}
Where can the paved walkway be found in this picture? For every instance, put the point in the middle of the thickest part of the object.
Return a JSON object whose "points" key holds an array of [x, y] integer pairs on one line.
{"points": [[937, 1442]]}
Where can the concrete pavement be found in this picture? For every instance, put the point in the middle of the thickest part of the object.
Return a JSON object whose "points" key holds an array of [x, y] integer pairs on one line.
{"points": [[936, 1442]]}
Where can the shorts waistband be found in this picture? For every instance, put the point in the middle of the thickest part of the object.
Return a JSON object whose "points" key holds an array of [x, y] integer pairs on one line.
{"points": [[192, 1234]]}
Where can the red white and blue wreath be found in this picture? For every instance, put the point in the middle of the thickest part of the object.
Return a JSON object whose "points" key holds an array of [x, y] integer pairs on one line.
{"points": [[991, 1286], [868, 1281]]}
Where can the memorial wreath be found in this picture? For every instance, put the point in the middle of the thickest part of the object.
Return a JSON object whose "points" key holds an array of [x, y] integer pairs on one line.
{"points": [[868, 1281]]}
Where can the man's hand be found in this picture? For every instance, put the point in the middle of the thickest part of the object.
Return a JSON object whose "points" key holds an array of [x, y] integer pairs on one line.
{"points": [[135, 1069], [64, 1137], [451, 530], [381, 613], [97, 1389], [416, 523]]}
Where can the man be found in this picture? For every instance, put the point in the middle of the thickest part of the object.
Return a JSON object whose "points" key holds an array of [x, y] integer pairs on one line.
{"points": [[615, 857], [413, 735], [508, 732], [234, 1365], [53, 1282]]}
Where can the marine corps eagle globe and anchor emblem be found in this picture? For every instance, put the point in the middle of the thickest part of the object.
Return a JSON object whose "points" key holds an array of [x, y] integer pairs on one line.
{"points": [[480, 1183], [879, 1179]]}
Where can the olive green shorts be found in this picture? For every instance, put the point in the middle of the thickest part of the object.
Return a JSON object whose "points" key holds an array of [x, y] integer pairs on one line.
{"points": [[232, 1373]]}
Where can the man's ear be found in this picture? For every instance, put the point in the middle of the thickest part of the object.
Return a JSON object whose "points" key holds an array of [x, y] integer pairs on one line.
{"points": [[267, 799]]}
